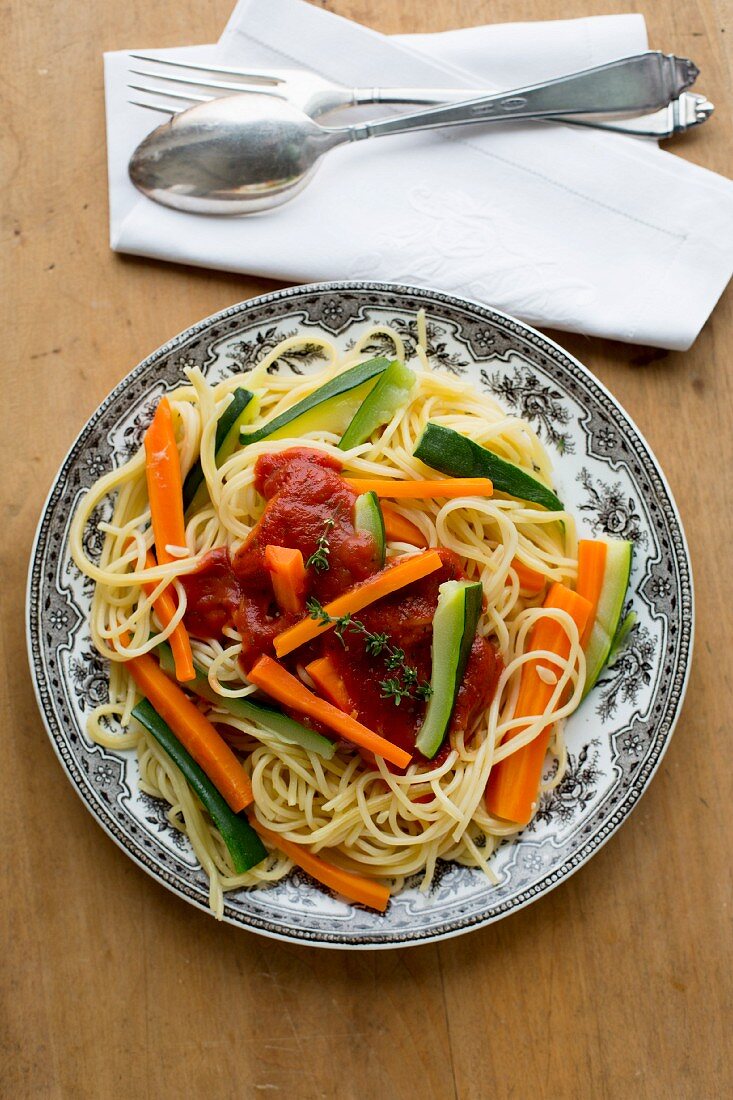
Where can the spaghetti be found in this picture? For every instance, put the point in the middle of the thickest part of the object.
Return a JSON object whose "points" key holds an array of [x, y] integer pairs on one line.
{"points": [[363, 817]]}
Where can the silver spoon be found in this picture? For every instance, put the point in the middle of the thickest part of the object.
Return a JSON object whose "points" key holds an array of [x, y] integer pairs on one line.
{"points": [[240, 154]]}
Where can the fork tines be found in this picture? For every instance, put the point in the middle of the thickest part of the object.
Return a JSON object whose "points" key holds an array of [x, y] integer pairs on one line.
{"points": [[261, 75]]}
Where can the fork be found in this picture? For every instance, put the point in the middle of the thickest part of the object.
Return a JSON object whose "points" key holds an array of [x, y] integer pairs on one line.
{"points": [[316, 96]]}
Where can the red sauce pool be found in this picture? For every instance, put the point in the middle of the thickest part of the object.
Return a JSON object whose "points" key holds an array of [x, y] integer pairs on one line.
{"points": [[213, 595], [304, 490], [407, 617]]}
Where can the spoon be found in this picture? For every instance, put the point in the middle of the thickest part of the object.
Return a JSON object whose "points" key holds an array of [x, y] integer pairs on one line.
{"points": [[244, 153]]}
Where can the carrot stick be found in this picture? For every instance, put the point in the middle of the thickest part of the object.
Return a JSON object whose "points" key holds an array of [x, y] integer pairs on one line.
{"points": [[288, 690], [324, 675], [287, 573], [165, 609], [165, 486], [402, 490], [529, 579], [193, 730], [399, 529], [352, 886], [411, 567], [591, 571], [511, 792]]}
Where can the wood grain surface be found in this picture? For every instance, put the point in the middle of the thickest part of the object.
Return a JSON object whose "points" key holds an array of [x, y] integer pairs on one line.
{"points": [[617, 985]]}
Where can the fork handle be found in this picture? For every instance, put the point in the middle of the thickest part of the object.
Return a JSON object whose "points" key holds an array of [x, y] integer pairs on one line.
{"points": [[644, 82], [416, 96]]}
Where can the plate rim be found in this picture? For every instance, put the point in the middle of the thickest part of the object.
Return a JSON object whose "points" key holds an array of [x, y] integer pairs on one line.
{"points": [[400, 938]]}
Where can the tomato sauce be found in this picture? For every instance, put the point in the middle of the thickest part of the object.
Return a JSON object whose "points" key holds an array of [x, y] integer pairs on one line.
{"points": [[213, 595], [304, 492], [307, 499], [407, 617]]}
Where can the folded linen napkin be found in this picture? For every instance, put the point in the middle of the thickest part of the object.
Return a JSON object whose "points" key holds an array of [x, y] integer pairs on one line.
{"points": [[581, 230]]}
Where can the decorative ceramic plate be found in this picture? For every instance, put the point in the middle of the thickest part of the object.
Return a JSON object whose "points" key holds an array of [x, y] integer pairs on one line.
{"points": [[604, 471]]}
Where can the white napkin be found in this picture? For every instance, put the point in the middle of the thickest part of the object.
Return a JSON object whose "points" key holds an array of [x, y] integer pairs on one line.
{"points": [[595, 233]]}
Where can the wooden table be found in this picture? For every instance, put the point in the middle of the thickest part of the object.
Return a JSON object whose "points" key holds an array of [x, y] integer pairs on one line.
{"points": [[619, 983]]}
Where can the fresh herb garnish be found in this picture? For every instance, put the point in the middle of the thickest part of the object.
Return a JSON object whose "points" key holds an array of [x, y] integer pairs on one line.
{"points": [[404, 684], [394, 690], [319, 558], [317, 611]]}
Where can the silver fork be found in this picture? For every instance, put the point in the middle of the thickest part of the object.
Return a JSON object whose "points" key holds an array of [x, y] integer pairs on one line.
{"points": [[316, 96], [689, 109]]}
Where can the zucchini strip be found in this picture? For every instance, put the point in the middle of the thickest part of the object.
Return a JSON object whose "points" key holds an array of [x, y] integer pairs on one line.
{"points": [[454, 454], [268, 717], [243, 843]]}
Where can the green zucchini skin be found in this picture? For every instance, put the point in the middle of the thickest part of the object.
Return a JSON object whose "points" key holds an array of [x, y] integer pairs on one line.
{"points": [[230, 421], [368, 518], [268, 717], [457, 456], [378, 407], [454, 628], [330, 407], [245, 847], [621, 636], [607, 623]]}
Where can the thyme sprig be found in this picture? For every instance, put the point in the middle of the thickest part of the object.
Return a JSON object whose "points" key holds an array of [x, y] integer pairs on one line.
{"points": [[404, 684], [319, 558]]}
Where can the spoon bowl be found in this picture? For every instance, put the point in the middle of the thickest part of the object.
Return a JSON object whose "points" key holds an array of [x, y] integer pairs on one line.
{"points": [[234, 155]]}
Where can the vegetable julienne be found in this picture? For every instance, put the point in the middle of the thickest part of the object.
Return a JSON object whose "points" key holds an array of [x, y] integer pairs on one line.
{"points": [[374, 704], [324, 675], [193, 730], [226, 439], [529, 579], [405, 490], [404, 572], [448, 451], [245, 848], [279, 684], [603, 577], [288, 576], [165, 488], [262, 715], [591, 567], [179, 641], [514, 781], [399, 529], [359, 889]]}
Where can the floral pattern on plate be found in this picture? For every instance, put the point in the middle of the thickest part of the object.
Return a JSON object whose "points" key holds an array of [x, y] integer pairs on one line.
{"points": [[604, 470]]}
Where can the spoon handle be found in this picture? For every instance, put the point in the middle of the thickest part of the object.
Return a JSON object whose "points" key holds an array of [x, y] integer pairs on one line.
{"points": [[644, 82]]}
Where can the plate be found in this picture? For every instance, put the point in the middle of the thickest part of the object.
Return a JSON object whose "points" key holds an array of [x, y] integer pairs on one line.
{"points": [[604, 470]]}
